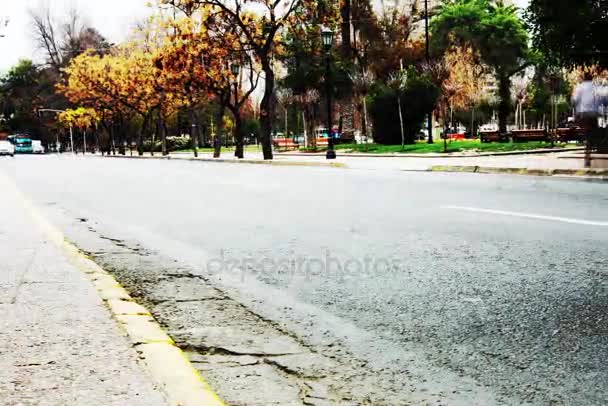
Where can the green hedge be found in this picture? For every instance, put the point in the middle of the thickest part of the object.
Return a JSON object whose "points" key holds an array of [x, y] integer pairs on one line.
{"points": [[417, 98]]}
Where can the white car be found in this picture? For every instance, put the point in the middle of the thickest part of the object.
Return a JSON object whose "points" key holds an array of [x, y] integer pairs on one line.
{"points": [[6, 148], [37, 147]]}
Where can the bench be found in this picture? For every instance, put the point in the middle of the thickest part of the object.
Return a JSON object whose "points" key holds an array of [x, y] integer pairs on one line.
{"points": [[490, 136], [322, 142], [529, 135], [285, 143], [456, 136], [577, 134]]}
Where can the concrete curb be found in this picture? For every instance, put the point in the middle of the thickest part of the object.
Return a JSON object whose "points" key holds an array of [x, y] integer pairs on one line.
{"points": [[166, 363], [588, 173], [242, 161]]}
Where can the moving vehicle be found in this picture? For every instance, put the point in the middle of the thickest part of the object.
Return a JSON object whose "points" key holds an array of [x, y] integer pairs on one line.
{"points": [[22, 143], [37, 147], [6, 148]]}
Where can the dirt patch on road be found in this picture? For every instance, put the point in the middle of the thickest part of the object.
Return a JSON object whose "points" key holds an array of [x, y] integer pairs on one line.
{"points": [[247, 359]]}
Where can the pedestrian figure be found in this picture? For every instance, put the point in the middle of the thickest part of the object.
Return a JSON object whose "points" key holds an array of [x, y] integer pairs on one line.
{"points": [[587, 104]]}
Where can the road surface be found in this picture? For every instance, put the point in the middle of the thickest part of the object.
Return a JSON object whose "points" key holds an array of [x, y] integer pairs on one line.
{"points": [[416, 288]]}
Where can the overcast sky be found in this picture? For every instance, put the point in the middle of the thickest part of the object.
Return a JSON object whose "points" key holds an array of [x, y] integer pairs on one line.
{"points": [[113, 18]]}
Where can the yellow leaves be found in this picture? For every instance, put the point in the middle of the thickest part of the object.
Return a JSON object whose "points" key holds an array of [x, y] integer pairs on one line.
{"points": [[167, 63], [81, 117]]}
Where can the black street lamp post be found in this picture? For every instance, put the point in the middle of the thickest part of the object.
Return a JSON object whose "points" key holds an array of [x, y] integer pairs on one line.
{"points": [[428, 59], [327, 37], [235, 68]]}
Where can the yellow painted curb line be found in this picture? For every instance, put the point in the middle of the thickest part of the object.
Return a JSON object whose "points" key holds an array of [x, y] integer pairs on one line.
{"points": [[167, 364], [450, 168]]}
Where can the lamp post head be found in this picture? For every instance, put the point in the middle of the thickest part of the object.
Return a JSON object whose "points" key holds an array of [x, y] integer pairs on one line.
{"points": [[327, 38], [235, 68]]}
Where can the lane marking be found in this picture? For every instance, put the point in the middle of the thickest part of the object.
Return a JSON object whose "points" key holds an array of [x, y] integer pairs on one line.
{"points": [[168, 366], [529, 216]]}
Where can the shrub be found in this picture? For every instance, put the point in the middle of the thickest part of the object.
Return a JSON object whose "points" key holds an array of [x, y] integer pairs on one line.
{"points": [[418, 97], [173, 144], [178, 143]]}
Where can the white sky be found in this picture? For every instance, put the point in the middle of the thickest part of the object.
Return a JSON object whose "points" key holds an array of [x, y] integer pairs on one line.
{"points": [[113, 18]]}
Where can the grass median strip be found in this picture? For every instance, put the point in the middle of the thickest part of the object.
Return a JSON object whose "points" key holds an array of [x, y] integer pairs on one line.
{"points": [[453, 146]]}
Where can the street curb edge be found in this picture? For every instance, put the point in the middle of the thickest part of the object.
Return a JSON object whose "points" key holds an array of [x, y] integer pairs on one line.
{"points": [[166, 363], [339, 165], [585, 173]]}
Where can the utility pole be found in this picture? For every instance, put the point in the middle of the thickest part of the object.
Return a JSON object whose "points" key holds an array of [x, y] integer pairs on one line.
{"points": [[428, 60]]}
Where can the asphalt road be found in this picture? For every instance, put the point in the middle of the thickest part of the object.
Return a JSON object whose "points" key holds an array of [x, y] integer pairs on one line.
{"points": [[477, 289]]}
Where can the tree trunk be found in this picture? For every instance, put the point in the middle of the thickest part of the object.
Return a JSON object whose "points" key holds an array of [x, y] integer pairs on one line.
{"points": [[200, 131], [310, 126], [401, 121], [238, 135], [267, 109], [504, 94], [364, 120], [140, 136], [162, 130], [306, 141], [217, 141], [429, 123], [345, 13], [112, 141], [365, 125], [97, 141], [473, 123]]}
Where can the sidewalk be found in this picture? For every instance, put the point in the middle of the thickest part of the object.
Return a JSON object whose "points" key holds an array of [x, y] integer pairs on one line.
{"points": [[561, 163], [58, 343]]}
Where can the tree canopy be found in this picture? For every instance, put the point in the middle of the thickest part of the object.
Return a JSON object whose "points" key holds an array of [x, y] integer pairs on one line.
{"points": [[570, 32], [494, 31]]}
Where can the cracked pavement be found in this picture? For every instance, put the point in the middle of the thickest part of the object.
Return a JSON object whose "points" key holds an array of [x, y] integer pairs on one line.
{"points": [[468, 309]]}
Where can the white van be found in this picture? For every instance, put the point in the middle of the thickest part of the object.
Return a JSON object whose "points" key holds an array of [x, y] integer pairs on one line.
{"points": [[37, 147], [7, 148]]}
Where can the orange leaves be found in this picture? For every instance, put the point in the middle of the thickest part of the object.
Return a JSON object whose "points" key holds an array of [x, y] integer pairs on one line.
{"points": [[464, 84], [168, 63], [127, 80], [196, 55]]}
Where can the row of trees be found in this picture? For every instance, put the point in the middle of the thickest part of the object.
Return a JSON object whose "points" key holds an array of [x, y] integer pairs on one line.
{"points": [[207, 67], [176, 63]]}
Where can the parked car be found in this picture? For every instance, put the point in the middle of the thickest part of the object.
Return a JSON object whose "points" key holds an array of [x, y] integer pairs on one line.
{"points": [[22, 143], [37, 147], [6, 148]]}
